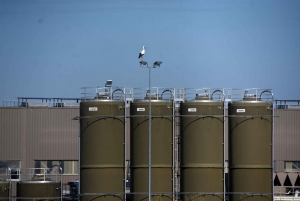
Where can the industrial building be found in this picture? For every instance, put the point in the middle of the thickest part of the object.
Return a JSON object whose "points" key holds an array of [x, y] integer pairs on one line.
{"points": [[101, 140]]}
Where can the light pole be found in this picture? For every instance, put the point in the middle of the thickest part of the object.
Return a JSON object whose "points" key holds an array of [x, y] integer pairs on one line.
{"points": [[144, 64]]}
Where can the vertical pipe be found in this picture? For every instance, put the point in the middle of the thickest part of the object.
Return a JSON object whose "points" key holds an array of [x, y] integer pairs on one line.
{"points": [[125, 142], [149, 143], [224, 148], [61, 186], [272, 148], [10, 185], [173, 150], [79, 158]]}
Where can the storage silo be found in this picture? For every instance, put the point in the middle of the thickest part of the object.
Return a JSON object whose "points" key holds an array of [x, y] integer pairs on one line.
{"points": [[39, 190], [40, 184], [4, 190], [161, 148], [250, 147], [102, 155], [5, 183], [202, 148]]}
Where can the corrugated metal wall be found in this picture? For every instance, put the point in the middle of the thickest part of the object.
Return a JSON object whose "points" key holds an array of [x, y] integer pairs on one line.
{"points": [[12, 124], [286, 137], [40, 133]]}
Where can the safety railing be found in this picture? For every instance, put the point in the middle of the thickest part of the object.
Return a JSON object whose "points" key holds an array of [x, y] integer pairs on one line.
{"points": [[41, 174], [286, 192], [10, 104], [105, 93], [155, 93], [250, 94], [216, 94]]}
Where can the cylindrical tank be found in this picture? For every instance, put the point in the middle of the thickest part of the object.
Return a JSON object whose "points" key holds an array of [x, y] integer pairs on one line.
{"points": [[102, 138], [250, 149], [4, 190], [161, 148], [39, 190], [202, 149]]}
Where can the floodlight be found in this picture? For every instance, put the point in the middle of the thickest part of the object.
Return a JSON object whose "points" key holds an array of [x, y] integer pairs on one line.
{"points": [[157, 64], [108, 83], [143, 63]]}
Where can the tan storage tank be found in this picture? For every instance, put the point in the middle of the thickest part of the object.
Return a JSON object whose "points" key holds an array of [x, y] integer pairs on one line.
{"points": [[202, 150], [161, 157], [250, 149], [39, 190], [102, 138], [4, 190]]}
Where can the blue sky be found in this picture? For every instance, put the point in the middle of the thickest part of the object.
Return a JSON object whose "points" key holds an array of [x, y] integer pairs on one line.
{"points": [[52, 48]]}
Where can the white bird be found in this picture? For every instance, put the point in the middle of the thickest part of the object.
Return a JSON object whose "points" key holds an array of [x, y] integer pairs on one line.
{"points": [[142, 53]]}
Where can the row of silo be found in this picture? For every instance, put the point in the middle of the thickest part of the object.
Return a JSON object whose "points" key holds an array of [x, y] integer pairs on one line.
{"points": [[102, 141]]}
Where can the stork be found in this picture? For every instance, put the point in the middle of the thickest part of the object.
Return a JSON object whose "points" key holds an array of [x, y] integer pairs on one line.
{"points": [[142, 53]]}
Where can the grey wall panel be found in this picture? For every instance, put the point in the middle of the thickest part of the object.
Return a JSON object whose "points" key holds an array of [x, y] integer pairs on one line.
{"points": [[11, 125], [29, 134], [286, 135], [53, 133]]}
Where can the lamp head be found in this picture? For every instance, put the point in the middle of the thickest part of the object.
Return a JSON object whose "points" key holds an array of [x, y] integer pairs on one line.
{"points": [[108, 83], [157, 64], [143, 63]]}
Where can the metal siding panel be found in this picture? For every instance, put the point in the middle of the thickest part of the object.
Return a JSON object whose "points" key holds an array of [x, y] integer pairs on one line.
{"points": [[29, 134], [10, 132], [53, 134], [286, 136]]}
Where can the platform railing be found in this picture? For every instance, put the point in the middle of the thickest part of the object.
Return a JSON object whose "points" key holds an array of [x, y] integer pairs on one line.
{"points": [[250, 94], [155, 93], [287, 192]]}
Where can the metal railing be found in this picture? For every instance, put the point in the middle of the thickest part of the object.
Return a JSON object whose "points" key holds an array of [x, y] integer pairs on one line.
{"points": [[43, 102], [250, 94], [286, 192], [10, 104], [287, 104], [216, 94], [155, 93], [41, 174], [104, 93]]}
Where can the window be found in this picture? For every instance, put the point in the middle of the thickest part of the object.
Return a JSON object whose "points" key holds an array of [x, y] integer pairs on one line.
{"points": [[14, 166], [292, 166], [68, 167]]}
